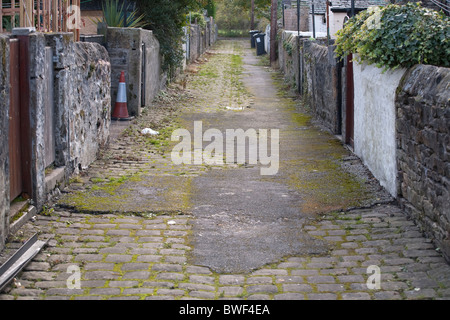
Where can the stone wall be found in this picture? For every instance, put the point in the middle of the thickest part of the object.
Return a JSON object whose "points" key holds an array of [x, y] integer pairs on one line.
{"points": [[91, 103], [194, 42], [63, 50], [423, 148], [321, 76], [82, 99], [4, 132], [131, 50], [401, 125], [322, 88], [287, 51], [38, 87], [154, 80], [201, 39]]}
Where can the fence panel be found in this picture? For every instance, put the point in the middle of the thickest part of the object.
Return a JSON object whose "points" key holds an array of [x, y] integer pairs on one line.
{"points": [[44, 15]]}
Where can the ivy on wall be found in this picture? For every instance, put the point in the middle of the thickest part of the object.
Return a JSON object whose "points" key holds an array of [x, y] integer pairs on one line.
{"points": [[397, 36]]}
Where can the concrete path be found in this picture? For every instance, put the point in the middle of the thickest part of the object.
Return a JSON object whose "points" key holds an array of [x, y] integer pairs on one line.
{"points": [[136, 226]]}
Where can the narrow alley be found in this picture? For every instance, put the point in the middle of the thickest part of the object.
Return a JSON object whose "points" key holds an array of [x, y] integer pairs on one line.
{"points": [[138, 226]]}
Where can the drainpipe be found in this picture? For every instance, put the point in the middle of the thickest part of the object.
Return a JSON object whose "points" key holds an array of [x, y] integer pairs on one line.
{"points": [[328, 23], [313, 20]]}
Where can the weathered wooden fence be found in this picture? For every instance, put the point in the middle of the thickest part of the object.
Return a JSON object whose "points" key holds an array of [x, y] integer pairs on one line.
{"points": [[44, 15]]}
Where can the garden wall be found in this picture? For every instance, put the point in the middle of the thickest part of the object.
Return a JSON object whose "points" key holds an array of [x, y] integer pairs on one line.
{"points": [[135, 51], [401, 125], [4, 133], [374, 121], [322, 86], [423, 148], [320, 76], [69, 111], [201, 39]]}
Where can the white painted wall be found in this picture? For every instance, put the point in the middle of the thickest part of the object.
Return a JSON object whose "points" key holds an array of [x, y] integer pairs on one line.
{"points": [[374, 122], [320, 26], [267, 39], [336, 22]]}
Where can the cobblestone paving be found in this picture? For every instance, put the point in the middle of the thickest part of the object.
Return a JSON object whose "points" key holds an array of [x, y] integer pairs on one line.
{"points": [[128, 257], [146, 256]]}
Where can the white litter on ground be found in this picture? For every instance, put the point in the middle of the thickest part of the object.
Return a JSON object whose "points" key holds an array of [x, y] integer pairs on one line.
{"points": [[149, 131]]}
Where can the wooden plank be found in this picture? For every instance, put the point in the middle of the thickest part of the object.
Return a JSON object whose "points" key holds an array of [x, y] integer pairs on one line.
{"points": [[1, 16], [21, 14], [77, 31], [37, 5], [64, 15], [25, 127], [49, 13], [15, 153], [55, 16], [13, 17], [26, 13]]}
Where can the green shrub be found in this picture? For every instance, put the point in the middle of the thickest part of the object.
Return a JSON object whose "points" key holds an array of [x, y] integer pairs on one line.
{"points": [[114, 15], [199, 17], [397, 36]]}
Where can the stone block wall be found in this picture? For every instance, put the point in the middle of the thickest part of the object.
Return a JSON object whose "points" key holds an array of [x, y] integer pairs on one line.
{"points": [[4, 132], [154, 81], [131, 50], [321, 76], [82, 99], [124, 46], [323, 89], [194, 40], [423, 148], [288, 56], [91, 103], [63, 49], [201, 39]]}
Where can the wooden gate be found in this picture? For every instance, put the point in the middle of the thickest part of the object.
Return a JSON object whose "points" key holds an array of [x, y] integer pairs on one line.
{"points": [[19, 120], [15, 152]]}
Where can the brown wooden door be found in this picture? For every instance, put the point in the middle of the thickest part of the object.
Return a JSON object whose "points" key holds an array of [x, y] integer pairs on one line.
{"points": [[349, 111], [15, 153]]}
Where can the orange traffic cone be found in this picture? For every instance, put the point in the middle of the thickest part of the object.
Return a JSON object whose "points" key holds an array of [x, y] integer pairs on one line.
{"points": [[121, 109]]}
